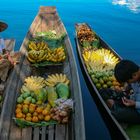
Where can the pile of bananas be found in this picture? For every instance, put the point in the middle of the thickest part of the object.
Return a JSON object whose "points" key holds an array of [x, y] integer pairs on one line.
{"points": [[40, 51], [38, 46], [99, 60], [56, 55], [33, 83], [54, 79]]}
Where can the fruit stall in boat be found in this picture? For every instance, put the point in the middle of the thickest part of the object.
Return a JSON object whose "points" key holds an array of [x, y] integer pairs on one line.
{"points": [[97, 62], [44, 99]]}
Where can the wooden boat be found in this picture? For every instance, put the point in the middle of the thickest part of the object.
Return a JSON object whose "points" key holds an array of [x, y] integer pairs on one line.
{"points": [[4, 68], [115, 128], [46, 19]]}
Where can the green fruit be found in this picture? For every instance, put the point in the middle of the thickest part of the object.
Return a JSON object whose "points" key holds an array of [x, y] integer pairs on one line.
{"points": [[105, 78], [98, 75], [19, 100], [101, 81], [29, 99], [33, 101], [25, 110], [98, 85], [41, 95], [25, 95], [62, 90], [105, 86], [33, 95], [95, 80], [109, 83]]}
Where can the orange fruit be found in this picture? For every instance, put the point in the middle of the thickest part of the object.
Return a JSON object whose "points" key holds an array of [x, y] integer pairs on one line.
{"points": [[23, 115], [18, 110], [35, 114], [47, 118], [45, 112], [40, 117], [31, 109], [39, 109], [35, 119], [19, 115], [28, 115], [28, 118], [32, 105], [25, 106], [19, 106]]}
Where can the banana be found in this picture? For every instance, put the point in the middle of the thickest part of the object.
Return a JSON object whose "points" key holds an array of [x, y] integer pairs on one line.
{"points": [[53, 79], [31, 60]]}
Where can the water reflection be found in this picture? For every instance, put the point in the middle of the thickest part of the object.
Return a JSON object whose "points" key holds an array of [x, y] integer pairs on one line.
{"points": [[133, 5]]}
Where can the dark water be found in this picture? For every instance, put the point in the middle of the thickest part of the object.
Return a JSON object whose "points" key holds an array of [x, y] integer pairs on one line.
{"points": [[117, 22]]}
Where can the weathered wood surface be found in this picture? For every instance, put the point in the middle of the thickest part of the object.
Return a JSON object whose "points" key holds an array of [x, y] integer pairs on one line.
{"points": [[115, 129], [9, 46], [46, 19]]}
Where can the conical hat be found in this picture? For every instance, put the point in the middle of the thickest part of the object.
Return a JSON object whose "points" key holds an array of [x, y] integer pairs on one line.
{"points": [[3, 26]]}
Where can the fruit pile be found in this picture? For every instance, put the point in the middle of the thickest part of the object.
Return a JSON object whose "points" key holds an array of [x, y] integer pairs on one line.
{"points": [[100, 62], [87, 37], [105, 80], [100, 59], [40, 51], [85, 34], [37, 100]]}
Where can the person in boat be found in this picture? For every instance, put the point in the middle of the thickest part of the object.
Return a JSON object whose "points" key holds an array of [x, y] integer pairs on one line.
{"points": [[125, 105]]}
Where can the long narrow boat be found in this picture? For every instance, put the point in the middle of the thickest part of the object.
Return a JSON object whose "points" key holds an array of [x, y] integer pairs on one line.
{"points": [[5, 68], [116, 129], [46, 19]]}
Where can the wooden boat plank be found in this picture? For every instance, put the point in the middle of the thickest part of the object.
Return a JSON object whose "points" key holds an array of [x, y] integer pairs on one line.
{"points": [[60, 132], [43, 133], [36, 133], [15, 133], [6, 113], [26, 131], [51, 132]]}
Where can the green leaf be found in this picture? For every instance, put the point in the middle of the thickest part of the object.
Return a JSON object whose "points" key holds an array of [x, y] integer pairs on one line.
{"points": [[46, 63], [85, 44], [96, 43], [23, 123]]}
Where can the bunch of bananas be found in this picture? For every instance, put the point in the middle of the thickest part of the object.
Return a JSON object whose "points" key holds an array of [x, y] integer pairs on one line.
{"points": [[38, 46], [33, 83], [40, 51], [56, 55], [37, 56], [108, 56], [99, 60], [54, 79]]}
